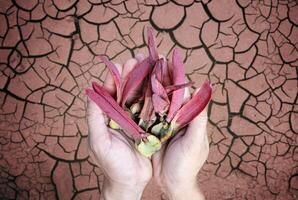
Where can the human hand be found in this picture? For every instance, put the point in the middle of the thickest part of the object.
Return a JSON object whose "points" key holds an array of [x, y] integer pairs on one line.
{"points": [[126, 171], [177, 164]]}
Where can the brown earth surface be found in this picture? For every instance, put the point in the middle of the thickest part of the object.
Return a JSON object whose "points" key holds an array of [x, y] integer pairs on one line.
{"points": [[49, 55]]}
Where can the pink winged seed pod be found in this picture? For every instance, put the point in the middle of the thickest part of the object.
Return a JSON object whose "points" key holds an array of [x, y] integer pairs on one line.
{"points": [[160, 111]]}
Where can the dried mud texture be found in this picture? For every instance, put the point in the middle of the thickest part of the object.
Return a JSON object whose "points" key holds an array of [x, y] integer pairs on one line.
{"points": [[49, 55]]}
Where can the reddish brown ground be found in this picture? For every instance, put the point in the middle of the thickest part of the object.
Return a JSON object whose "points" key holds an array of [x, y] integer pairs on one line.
{"points": [[49, 55]]}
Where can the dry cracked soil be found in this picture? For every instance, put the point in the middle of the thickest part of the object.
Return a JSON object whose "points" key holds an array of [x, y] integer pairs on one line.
{"points": [[49, 53]]}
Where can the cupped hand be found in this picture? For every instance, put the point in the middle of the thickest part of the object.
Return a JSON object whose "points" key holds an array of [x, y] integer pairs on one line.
{"points": [[177, 164], [126, 171]]}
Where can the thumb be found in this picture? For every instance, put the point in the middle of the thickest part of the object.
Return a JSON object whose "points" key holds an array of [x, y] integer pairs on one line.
{"points": [[98, 131]]}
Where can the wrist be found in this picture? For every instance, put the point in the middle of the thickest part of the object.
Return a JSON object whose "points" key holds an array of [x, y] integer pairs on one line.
{"points": [[181, 191], [113, 191]]}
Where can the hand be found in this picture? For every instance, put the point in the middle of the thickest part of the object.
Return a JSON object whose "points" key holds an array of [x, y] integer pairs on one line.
{"points": [[126, 171], [177, 164]]}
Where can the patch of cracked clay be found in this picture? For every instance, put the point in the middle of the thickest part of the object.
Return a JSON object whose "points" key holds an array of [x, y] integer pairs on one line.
{"points": [[50, 53]]}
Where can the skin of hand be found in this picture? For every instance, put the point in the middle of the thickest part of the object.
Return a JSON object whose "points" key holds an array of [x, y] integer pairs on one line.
{"points": [[126, 171], [177, 164]]}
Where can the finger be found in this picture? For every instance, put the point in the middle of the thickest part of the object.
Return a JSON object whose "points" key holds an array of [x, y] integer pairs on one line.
{"points": [[196, 132], [162, 56], [98, 131], [109, 83], [197, 129], [140, 57], [128, 66], [196, 140]]}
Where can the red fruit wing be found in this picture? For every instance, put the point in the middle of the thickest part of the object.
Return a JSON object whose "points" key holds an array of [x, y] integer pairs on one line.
{"points": [[110, 107], [193, 107]]}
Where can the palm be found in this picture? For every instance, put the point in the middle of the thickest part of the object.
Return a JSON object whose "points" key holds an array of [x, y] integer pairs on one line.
{"points": [[123, 163]]}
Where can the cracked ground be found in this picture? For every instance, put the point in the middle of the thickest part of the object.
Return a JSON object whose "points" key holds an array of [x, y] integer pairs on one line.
{"points": [[49, 55]]}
